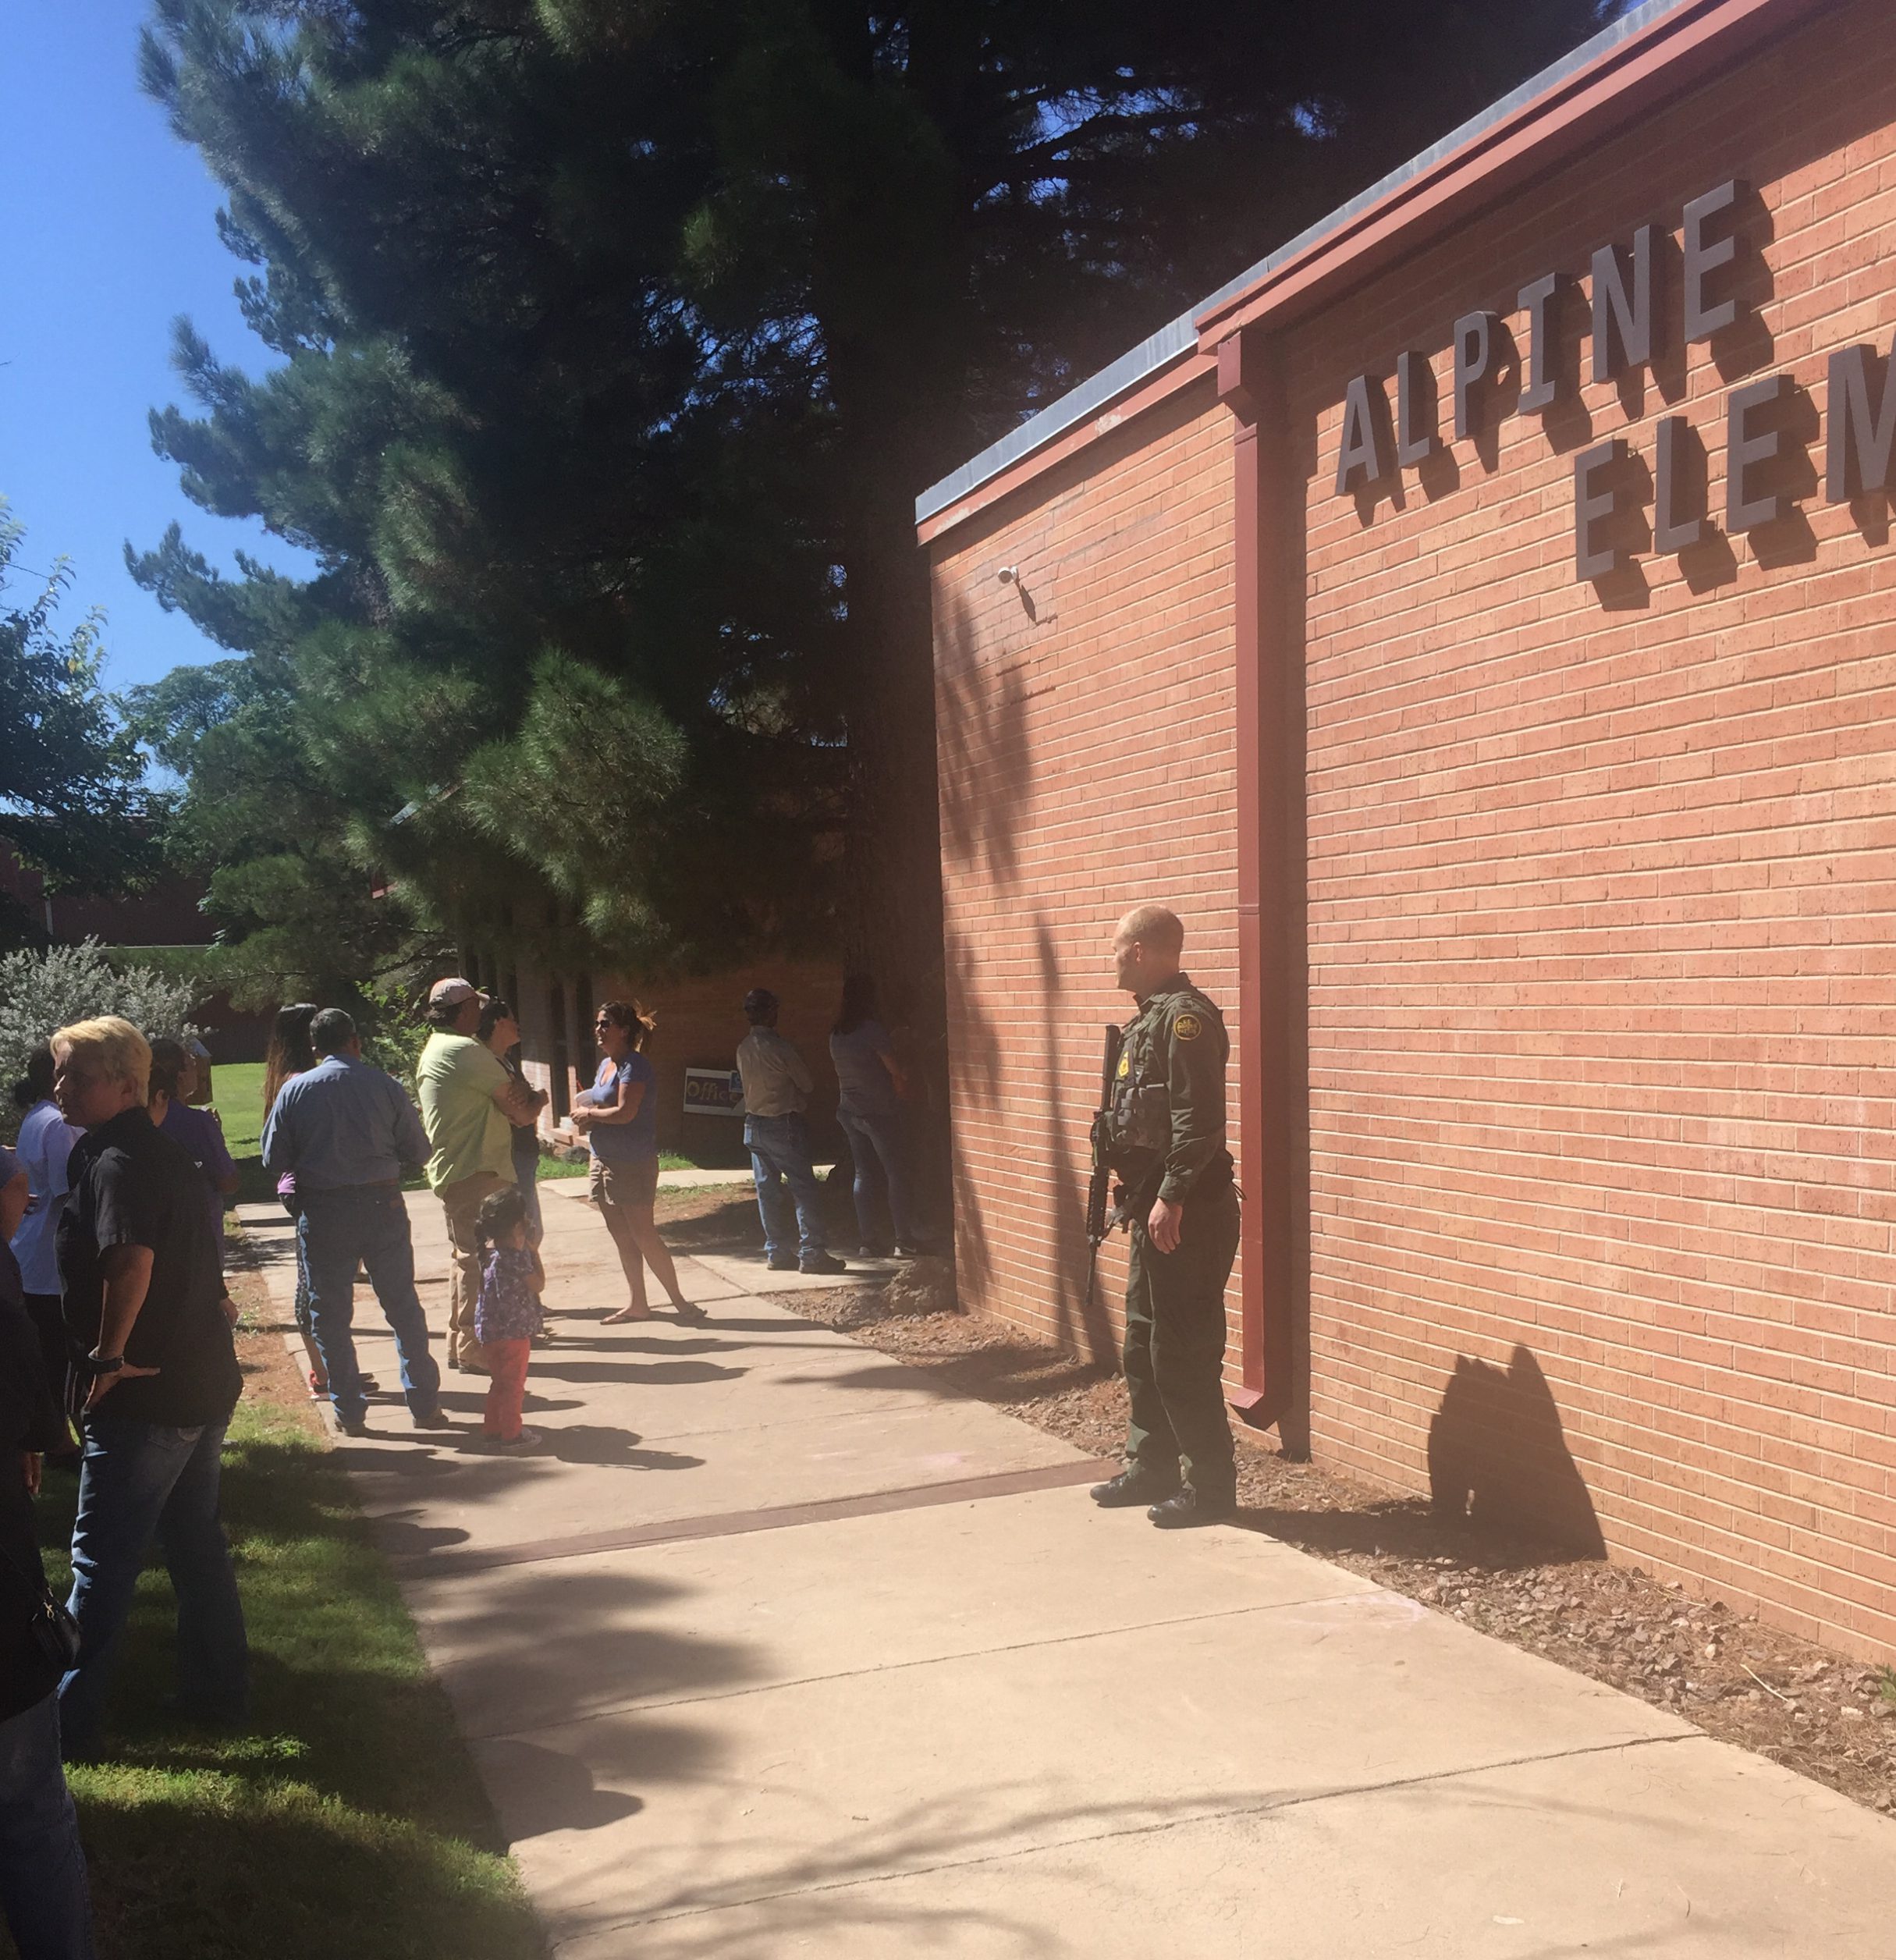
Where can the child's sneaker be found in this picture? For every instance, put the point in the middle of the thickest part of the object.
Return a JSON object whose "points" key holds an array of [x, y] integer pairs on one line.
{"points": [[526, 1439]]}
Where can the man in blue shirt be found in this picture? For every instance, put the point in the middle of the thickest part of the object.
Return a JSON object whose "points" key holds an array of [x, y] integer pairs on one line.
{"points": [[347, 1131]]}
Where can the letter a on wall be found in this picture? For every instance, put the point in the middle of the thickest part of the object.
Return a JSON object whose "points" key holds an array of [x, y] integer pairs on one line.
{"points": [[1359, 460]]}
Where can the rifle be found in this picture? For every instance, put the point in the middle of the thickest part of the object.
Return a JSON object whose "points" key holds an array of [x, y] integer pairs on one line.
{"points": [[1099, 1221]]}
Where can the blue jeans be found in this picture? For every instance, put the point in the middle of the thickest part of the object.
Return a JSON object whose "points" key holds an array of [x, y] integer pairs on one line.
{"points": [[42, 1891], [367, 1223], [136, 1479], [780, 1147], [881, 1152]]}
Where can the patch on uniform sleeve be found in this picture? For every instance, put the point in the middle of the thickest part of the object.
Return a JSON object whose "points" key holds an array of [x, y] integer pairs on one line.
{"points": [[1187, 1028], [1125, 1067]]}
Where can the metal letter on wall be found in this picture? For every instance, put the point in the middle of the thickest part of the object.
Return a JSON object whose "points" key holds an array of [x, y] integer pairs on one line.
{"points": [[1862, 424], [1543, 303], [1414, 409], [1678, 487], [1359, 455], [1754, 441], [1704, 255], [1751, 446], [1597, 553], [1623, 333], [1474, 356]]}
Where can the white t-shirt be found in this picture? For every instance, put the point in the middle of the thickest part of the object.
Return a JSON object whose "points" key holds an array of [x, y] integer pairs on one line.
{"points": [[46, 1141]]}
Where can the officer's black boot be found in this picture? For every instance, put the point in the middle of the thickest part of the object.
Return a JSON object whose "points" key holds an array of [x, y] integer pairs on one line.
{"points": [[1187, 1508], [1132, 1486]]}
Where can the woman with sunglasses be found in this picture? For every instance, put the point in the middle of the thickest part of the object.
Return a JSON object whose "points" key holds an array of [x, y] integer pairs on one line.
{"points": [[619, 1118]]}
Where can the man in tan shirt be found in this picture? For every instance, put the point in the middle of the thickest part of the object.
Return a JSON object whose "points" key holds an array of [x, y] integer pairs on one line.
{"points": [[776, 1094], [469, 1105]]}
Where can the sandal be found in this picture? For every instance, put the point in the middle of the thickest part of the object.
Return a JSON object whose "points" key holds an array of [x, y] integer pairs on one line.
{"points": [[628, 1313]]}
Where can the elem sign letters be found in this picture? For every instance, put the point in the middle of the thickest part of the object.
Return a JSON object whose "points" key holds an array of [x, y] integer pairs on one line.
{"points": [[1628, 323]]}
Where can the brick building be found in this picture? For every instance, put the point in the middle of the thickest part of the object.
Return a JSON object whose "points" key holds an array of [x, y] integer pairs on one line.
{"points": [[1478, 620], [166, 917], [700, 1022]]}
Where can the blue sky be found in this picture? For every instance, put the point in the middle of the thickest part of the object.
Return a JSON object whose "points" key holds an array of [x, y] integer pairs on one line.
{"points": [[109, 236]]}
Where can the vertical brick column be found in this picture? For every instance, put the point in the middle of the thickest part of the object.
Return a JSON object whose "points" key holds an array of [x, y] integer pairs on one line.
{"points": [[1273, 1106]]}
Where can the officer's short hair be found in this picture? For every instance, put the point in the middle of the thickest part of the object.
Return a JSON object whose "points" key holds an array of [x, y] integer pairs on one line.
{"points": [[1156, 926], [332, 1032]]}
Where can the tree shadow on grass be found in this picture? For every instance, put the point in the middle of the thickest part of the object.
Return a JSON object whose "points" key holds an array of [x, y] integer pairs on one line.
{"points": [[347, 1818], [189, 1864]]}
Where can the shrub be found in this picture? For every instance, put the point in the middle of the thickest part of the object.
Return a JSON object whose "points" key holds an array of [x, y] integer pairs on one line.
{"points": [[40, 992]]}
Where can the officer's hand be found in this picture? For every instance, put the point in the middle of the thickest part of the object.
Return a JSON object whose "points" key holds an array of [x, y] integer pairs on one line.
{"points": [[1162, 1227]]}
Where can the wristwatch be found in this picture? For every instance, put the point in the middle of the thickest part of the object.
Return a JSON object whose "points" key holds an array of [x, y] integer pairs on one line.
{"points": [[104, 1364]]}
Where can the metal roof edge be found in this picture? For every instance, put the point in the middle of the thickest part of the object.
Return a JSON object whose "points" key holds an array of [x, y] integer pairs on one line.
{"points": [[1180, 335], [1174, 339]]}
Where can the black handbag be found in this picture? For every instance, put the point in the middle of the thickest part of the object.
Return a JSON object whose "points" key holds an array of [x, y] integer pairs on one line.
{"points": [[55, 1631]]}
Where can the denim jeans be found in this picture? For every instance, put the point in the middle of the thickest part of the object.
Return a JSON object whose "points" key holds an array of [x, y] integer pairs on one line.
{"points": [[881, 1151], [367, 1223], [136, 1479], [780, 1147], [43, 1891]]}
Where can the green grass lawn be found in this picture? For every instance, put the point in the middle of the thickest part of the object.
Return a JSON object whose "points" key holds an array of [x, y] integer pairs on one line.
{"points": [[349, 1821], [236, 1090]]}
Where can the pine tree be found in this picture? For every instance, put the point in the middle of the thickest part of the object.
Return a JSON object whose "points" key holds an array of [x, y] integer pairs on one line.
{"points": [[618, 341]]}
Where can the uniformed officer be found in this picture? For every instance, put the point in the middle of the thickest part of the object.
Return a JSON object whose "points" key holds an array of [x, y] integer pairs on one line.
{"points": [[1167, 1123]]}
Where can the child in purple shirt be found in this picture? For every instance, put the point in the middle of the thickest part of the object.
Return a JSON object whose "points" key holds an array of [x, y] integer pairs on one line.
{"points": [[507, 1315]]}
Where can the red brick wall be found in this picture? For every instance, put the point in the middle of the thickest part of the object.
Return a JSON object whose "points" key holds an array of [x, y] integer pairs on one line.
{"points": [[1603, 961], [1087, 759], [699, 1024], [1602, 901]]}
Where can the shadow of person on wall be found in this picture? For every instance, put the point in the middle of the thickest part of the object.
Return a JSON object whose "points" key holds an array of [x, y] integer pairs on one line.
{"points": [[1498, 1456]]}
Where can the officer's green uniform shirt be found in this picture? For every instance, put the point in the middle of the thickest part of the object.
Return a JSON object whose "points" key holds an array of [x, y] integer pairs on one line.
{"points": [[1168, 1100]]}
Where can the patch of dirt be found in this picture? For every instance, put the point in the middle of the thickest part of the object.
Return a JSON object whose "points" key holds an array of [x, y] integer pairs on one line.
{"points": [[706, 1217], [1822, 1713], [271, 1372]]}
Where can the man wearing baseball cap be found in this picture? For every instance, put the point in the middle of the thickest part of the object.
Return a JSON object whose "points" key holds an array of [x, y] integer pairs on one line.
{"points": [[469, 1105]]}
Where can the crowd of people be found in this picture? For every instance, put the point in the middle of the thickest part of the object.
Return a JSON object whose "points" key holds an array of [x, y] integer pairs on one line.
{"points": [[117, 1354]]}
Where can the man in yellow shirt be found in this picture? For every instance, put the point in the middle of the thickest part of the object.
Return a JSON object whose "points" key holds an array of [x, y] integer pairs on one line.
{"points": [[469, 1105]]}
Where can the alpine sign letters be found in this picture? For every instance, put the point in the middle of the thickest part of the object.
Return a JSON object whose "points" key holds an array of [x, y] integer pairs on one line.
{"points": [[1633, 293]]}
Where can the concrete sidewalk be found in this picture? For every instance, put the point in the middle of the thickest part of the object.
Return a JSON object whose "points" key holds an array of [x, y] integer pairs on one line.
{"points": [[779, 1649]]}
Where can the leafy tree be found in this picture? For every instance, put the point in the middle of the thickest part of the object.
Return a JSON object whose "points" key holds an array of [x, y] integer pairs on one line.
{"points": [[615, 343], [70, 800]]}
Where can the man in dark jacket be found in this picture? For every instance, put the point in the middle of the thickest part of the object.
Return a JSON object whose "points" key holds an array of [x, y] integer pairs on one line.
{"points": [[1167, 1120], [143, 1291], [43, 1892]]}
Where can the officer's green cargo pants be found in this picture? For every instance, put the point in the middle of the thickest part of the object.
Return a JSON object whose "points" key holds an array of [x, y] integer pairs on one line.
{"points": [[1174, 1352]]}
